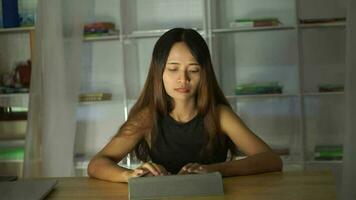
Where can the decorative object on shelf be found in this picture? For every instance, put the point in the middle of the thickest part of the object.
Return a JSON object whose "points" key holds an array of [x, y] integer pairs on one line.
{"points": [[10, 13], [328, 152], [18, 80], [322, 21], [255, 22], [259, 88], [23, 73], [329, 87], [95, 96], [99, 29], [27, 19]]}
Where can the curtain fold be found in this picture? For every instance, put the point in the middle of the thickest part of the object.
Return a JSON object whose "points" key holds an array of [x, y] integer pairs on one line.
{"points": [[349, 158], [55, 85]]}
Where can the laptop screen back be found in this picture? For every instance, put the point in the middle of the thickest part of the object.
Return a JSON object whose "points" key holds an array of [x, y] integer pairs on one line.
{"points": [[26, 189]]}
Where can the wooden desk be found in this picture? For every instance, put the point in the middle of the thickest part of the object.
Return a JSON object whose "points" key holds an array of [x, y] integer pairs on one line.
{"points": [[274, 186]]}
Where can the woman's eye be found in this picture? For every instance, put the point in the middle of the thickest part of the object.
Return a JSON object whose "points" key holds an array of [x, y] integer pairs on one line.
{"points": [[172, 69], [194, 70]]}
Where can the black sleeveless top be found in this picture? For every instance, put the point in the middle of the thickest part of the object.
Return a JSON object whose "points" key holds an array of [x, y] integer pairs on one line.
{"points": [[178, 144]]}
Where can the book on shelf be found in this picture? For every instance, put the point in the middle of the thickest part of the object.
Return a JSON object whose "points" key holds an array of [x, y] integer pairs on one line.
{"points": [[322, 21], [329, 87], [255, 22], [96, 35], [99, 29], [281, 151], [95, 96], [259, 88], [12, 114], [12, 153], [13, 90], [328, 152], [157, 31]]}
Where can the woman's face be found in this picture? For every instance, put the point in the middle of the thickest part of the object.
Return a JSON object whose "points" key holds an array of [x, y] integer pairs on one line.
{"points": [[181, 74]]}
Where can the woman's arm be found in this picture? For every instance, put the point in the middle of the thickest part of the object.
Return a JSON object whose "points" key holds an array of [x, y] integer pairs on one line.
{"points": [[259, 163], [104, 164], [260, 158]]}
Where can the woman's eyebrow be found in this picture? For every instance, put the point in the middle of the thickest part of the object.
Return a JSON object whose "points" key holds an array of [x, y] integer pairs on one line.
{"points": [[173, 62], [177, 63]]}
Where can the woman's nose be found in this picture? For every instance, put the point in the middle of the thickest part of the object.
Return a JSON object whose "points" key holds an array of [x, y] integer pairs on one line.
{"points": [[183, 77]]}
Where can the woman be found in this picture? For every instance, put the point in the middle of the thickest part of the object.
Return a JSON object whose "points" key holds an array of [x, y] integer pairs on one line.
{"points": [[182, 123]]}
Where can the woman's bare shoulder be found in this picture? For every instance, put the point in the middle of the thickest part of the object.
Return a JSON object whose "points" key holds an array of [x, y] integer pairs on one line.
{"points": [[224, 110], [228, 118]]}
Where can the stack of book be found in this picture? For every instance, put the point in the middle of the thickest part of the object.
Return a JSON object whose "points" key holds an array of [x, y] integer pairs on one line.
{"points": [[11, 90], [95, 96], [328, 152], [322, 21], [329, 87], [12, 153], [281, 151], [259, 88], [99, 29], [255, 22]]}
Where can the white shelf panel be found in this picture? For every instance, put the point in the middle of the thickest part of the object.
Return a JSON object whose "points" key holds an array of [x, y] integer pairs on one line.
{"points": [[251, 29], [88, 103], [152, 33], [14, 100], [147, 34], [326, 162], [12, 161], [292, 167], [323, 93], [17, 30], [11, 137], [81, 162], [101, 38], [261, 96], [323, 25], [12, 143]]}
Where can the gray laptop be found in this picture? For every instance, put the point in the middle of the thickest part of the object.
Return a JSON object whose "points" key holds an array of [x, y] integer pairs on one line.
{"points": [[189, 185], [28, 189]]}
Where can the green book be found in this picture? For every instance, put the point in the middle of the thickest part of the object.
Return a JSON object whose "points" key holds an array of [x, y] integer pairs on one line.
{"points": [[328, 152], [255, 22], [259, 88], [329, 87], [12, 153]]}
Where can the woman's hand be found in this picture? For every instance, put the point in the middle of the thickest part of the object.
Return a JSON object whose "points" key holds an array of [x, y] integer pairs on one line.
{"points": [[148, 169], [194, 168]]}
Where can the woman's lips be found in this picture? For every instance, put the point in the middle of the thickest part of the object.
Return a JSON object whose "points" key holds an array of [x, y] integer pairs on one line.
{"points": [[182, 90]]}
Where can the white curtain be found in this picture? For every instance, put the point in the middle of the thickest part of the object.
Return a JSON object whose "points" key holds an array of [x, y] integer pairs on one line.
{"points": [[54, 88], [349, 160]]}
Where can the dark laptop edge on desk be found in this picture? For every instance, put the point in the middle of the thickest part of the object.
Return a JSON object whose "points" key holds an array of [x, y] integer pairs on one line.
{"points": [[27, 188]]}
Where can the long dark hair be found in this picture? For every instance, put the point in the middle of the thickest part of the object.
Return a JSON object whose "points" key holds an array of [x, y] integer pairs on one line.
{"points": [[154, 101]]}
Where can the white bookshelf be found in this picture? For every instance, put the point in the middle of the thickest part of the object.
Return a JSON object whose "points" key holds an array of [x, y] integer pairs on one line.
{"points": [[240, 55]]}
